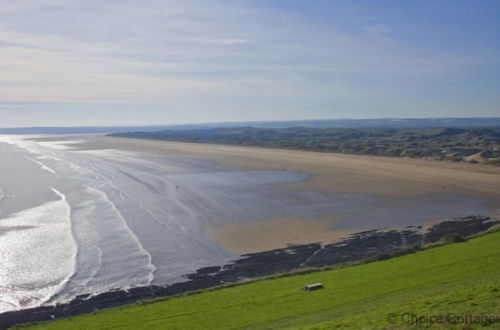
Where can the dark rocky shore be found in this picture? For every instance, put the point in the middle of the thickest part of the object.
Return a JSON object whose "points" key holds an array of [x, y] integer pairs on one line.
{"points": [[359, 247]]}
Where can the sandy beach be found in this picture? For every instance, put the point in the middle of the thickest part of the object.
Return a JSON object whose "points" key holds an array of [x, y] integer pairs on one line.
{"points": [[169, 209], [334, 172], [393, 181]]}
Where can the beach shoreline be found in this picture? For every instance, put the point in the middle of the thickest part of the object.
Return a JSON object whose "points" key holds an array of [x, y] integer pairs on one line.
{"points": [[351, 167], [392, 181], [357, 248], [267, 210]]}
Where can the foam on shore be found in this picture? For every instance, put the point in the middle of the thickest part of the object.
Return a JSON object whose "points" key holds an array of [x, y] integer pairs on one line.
{"points": [[37, 254]]}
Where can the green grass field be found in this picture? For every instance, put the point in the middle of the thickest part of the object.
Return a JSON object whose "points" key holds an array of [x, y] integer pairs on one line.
{"points": [[458, 278]]}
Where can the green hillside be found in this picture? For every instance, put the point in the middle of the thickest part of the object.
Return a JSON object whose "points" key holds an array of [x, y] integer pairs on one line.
{"points": [[459, 278]]}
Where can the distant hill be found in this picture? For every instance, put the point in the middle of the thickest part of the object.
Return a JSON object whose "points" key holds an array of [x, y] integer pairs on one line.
{"points": [[469, 144], [320, 123]]}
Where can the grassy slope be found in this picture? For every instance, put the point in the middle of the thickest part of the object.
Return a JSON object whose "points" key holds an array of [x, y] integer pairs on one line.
{"points": [[458, 278]]}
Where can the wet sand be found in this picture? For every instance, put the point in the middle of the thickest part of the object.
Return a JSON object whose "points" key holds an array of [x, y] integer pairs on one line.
{"points": [[392, 181], [257, 236], [332, 172], [21, 192]]}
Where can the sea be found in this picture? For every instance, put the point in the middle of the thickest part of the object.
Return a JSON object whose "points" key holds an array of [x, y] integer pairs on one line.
{"points": [[76, 221]]}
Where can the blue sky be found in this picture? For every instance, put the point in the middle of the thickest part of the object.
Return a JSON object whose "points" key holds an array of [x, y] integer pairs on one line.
{"points": [[122, 62]]}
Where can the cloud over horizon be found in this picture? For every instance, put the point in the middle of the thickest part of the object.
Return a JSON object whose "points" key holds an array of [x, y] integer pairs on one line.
{"points": [[127, 62]]}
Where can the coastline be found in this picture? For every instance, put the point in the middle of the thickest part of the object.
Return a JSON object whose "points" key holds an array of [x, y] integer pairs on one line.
{"points": [[360, 247], [386, 176], [402, 187], [245, 200], [32, 185]]}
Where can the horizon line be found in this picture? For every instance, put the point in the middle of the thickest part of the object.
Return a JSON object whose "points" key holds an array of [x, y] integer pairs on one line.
{"points": [[251, 121]]}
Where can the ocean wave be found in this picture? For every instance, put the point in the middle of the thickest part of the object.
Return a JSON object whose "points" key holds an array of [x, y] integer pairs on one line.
{"points": [[101, 252], [2, 197], [75, 244], [43, 166], [38, 254], [104, 197]]}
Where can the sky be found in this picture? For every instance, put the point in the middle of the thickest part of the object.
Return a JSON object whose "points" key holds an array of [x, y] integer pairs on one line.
{"points": [[129, 62]]}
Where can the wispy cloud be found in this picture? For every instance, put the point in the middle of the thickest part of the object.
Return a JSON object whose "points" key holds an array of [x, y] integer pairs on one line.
{"points": [[215, 59]]}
